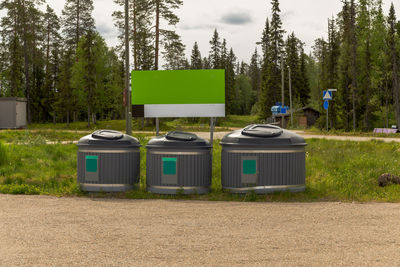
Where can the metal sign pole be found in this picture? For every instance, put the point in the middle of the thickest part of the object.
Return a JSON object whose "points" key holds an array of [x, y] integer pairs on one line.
{"points": [[283, 92], [290, 95], [211, 131], [157, 127], [327, 119]]}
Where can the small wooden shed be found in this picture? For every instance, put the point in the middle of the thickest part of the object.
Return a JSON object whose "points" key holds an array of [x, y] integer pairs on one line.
{"points": [[12, 112], [305, 117], [309, 118]]}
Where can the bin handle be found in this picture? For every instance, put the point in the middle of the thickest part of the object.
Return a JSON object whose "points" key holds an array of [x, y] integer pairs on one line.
{"points": [[181, 136], [262, 130], [107, 135]]}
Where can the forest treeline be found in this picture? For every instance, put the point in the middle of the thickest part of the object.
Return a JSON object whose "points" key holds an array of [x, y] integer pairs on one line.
{"points": [[65, 69]]}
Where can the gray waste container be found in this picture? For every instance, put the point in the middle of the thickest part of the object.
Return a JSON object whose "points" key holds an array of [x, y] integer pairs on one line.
{"points": [[179, 162], [108, 161], [264, 159]]}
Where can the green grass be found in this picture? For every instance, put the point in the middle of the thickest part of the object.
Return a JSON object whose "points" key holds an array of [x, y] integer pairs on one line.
{"points": [[336, 171], [187, 124], [39, 136], [346, 133], [39, 169]]}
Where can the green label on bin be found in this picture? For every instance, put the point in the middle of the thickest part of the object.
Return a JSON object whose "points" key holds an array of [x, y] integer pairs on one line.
{"points": [[249, 167], [169, 166], [91, 163]]}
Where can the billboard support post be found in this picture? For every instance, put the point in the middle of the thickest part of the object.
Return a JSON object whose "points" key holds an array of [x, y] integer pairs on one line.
{"points": [[157, 126], [212, 131]]}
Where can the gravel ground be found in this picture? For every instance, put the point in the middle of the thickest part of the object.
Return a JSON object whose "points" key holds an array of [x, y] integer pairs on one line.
{"points": [[51, 231]]}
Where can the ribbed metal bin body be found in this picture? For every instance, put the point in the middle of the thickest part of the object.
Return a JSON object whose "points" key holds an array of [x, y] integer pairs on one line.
{"points": [[193, 165], [118, 164], [278, 165]]}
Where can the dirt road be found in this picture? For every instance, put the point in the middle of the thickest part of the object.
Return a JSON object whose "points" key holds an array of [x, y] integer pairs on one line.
{"points": [[51, 231]]}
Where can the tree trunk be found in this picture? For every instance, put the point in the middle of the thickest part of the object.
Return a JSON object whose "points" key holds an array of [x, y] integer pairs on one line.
{"points": [[134, 36], [396, 85], [157, 34], [88, 116], [367, 88], [26, 66], [77, 24]]}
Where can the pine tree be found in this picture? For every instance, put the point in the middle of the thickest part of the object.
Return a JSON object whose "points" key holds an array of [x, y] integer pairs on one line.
{"points": [[77, 20], [196, 62], [64, 104], [393, 54], [174, 52], [12, 50], [164, 10], [141, 39], [52, 54]]}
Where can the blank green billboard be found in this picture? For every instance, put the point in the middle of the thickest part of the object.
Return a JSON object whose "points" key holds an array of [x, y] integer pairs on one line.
{"points": [[178, 93], [178, 87]]}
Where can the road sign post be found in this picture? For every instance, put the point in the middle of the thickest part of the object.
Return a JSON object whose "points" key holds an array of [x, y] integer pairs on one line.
{"points": [[327, 118], [327, 96]]}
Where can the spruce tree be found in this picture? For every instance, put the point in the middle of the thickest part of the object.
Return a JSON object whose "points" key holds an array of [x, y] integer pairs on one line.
{"points": [[379, 59], [230, 82], [364, 53], [271, 73], [215, 52], [393, 55], [195, 60], [255, 72]]}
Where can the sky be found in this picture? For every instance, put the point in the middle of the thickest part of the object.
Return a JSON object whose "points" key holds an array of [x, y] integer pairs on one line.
{"points": [[240, 22]]}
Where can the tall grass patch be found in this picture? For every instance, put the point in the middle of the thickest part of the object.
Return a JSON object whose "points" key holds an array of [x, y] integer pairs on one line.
{"points": [[4, 157], [40, 169], [338, 170]]}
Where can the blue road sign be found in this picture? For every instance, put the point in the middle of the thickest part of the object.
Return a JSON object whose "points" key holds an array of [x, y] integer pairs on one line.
{"points": [[326, 104], [327, 95], [283, 111]]}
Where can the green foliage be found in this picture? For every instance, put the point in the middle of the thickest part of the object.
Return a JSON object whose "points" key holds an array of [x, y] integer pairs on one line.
{"points": [[245, 96], [4, 157], [77, 20], [358, 59]]}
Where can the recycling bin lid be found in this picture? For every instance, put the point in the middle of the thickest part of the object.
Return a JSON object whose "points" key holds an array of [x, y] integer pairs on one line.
{"points": [[178, 139], [108, 138], [263, 135]]}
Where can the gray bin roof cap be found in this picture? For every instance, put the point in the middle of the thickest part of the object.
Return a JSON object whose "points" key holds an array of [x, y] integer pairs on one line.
{"points": [[178, 139], [263, 135], [108, 138]]}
